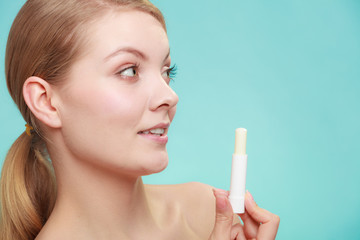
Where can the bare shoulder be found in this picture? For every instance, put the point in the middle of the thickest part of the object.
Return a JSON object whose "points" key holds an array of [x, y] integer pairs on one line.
{"points": [[185, 191], [194, 193], [187, 194], [195, 201], [199, 206]]}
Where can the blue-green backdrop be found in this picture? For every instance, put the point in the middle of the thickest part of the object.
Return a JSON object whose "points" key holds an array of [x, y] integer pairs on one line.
{"points": [[289, 72]]}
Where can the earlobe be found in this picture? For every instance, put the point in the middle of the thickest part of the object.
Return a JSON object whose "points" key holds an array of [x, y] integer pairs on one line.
{"points": [[38, 96]]}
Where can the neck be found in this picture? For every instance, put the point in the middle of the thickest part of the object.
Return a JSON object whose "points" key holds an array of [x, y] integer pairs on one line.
{"points": [[101, 203]]}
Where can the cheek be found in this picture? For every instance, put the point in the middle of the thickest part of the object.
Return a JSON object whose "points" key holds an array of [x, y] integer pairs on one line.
{"points": [[103, 105], [95, 119]]}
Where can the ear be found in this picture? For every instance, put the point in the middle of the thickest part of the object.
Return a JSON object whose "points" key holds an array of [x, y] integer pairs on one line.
{"points": [[38, 95]]}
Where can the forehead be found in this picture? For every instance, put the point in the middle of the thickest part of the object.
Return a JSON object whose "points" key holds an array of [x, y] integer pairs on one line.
{"points": [[126, 28]]}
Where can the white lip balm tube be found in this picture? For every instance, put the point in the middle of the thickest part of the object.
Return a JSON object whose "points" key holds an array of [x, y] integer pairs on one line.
{"points": [[238, 172]]}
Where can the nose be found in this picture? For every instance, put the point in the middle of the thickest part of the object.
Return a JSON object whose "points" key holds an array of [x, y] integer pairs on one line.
{"points": [[162, 95]]}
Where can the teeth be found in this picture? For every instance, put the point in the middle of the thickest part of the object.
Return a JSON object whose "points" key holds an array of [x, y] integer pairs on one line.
{"points": [[157, 131]]}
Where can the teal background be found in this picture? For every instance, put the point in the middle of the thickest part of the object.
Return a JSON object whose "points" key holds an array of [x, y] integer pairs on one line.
{"points": [[289, 72]]}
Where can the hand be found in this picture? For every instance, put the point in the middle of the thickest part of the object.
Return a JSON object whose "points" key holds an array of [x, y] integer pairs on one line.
{"points": [[258, 223]]}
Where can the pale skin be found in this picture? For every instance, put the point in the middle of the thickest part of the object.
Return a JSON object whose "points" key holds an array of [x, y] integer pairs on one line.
{"points": [[95, 121]]}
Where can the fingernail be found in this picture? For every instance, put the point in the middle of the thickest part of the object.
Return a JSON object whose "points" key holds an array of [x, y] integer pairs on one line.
{"points": [[218, 191]]}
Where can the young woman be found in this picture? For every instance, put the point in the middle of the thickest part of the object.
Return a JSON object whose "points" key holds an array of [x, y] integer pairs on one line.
{"points": [[91, 79]]}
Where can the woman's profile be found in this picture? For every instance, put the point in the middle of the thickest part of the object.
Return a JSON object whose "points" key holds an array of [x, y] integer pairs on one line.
{"points": [[92, 79]]}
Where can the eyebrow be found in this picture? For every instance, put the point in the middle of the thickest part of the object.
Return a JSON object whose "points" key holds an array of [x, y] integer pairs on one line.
{"points": [[132, 51]]}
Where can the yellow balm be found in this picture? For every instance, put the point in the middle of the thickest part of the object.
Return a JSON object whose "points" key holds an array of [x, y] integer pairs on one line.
{"points": [[240, 141]]}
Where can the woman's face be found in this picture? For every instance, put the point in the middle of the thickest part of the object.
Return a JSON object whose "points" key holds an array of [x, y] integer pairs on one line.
{"points": [[116, 105]]}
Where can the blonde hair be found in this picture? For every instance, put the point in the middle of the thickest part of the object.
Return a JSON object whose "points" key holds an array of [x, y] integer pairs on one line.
{"points": [[46, 37]]}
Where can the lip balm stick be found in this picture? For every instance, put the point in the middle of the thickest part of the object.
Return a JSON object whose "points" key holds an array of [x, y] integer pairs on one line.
{"points": [[238, 172]]}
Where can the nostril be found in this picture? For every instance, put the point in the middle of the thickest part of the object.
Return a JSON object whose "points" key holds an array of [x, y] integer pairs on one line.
{"points": [[164, 105]]}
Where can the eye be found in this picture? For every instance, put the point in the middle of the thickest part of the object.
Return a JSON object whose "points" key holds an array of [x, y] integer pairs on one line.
{"points": [[170, 73], [128, 72]]}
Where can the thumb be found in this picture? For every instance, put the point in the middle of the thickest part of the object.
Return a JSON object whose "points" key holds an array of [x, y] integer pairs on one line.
{"points": [[224, 216]]}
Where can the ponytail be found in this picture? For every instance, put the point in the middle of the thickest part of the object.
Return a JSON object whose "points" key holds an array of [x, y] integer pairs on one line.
{"points": [[28, 190]]}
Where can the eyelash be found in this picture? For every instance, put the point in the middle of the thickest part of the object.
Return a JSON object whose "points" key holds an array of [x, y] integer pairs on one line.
{"points": [[172, 71]]}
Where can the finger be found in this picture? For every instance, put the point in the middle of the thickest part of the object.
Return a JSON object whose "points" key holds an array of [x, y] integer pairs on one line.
{"points": [[250, 225], [269, 222], [237, 232], [224, 216]]}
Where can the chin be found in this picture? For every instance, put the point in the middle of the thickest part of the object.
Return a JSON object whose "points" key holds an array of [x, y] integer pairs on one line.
{"points": [[156, 166]]}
